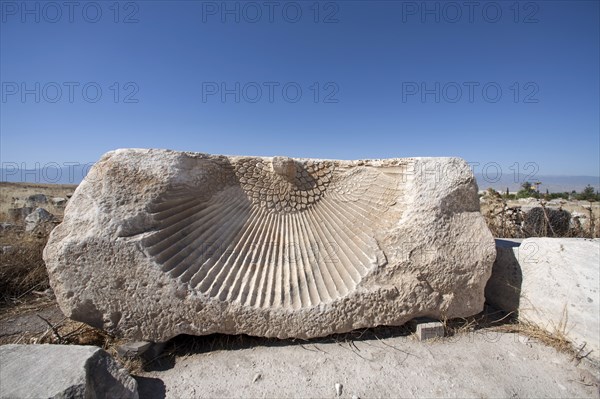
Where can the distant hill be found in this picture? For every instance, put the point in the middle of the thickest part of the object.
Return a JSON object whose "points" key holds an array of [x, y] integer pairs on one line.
{"points": [[554, 184], [45, 175], [74, 174]]}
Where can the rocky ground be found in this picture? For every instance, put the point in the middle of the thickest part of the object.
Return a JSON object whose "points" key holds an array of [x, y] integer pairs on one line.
{"points": [[23, 324], [478, 360], [482, 364], [382, 362], [17, 199], [514, 218]]}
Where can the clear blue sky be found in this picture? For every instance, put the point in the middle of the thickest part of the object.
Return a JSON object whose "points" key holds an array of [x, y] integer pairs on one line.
{"points": [[370, 60]]}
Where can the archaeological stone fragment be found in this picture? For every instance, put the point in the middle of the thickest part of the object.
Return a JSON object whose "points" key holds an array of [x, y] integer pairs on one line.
{"points": [[62, 372], [156, 243]]}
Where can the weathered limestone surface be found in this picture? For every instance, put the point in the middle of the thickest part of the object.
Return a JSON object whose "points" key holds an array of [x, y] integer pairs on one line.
{"points": [[62, 371], [553, 283], [157, 243]]}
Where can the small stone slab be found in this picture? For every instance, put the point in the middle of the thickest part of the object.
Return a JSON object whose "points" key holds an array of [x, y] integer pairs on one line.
{"points": [[430, 330], [62, 371], [132, 349], [146, 350]]}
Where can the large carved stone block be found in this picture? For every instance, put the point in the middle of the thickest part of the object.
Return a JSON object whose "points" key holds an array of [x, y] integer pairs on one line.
{"points": [[157, 243]]}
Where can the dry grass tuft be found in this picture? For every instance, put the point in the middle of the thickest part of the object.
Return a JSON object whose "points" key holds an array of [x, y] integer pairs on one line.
{"points": [[70, 332], [555, 339], [498, 321], [22, 269], [490, 318]]}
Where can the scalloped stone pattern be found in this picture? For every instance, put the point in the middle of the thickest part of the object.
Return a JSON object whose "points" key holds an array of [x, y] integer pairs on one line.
{"points": [[156, 243], [280, 234]]}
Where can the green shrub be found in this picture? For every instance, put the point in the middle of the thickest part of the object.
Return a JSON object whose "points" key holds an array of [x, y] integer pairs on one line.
{"points": [[588, 194]]}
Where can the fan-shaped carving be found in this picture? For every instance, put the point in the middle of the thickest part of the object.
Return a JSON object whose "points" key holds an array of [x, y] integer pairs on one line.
{"points": [[273, 233]]}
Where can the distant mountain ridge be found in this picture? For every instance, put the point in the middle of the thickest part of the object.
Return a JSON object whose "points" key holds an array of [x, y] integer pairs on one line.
{"points": [[554, 184], [69, 174], [73, 174]]}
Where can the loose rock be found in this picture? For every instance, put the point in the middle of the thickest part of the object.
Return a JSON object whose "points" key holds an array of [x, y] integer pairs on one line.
{"points": [[36, 218], [62, 371], [58, 201]]}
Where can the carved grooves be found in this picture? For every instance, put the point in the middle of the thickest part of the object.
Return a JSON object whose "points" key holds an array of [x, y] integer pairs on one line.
{"points": [[231, 248]]}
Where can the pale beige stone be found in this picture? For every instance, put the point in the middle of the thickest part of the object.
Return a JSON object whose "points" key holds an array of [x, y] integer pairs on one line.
{"points": [[552, 283], [62, 372], [157, 243], [425, 331]]}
